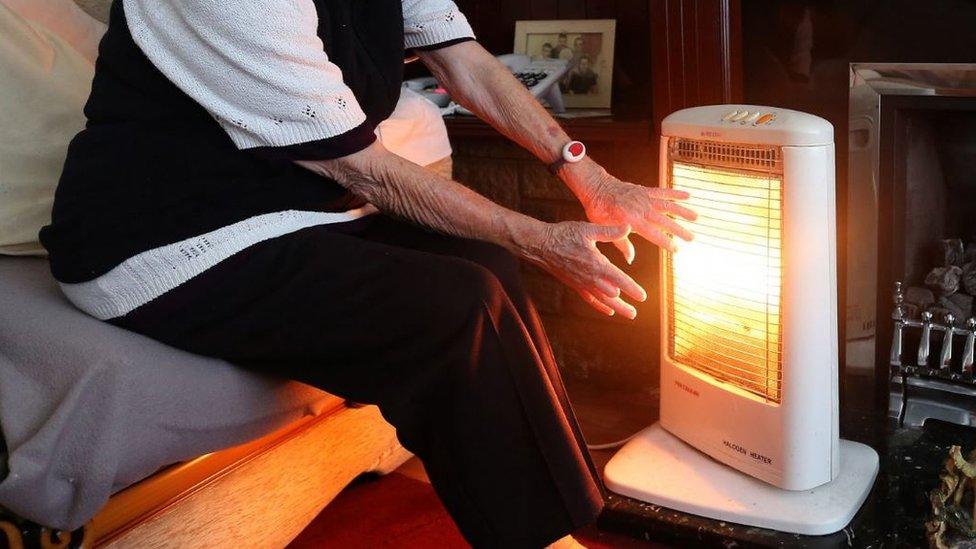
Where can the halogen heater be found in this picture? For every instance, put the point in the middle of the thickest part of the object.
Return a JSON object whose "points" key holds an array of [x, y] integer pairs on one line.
{"points": [[749, 413]]}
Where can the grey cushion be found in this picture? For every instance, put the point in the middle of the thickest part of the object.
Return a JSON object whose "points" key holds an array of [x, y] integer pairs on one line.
{"points": [[87, 409], [96, 8]]}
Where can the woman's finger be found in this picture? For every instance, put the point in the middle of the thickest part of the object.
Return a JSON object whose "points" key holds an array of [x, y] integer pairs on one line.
{"points": [[656, 236], [626, 248], [606, 233], [606, 288], [619, 279], [667, 193], [674, 208], [592, 301], [619, 306], [670, 225]]}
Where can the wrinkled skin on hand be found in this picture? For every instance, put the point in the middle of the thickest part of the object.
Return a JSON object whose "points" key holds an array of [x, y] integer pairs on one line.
{"points": [[649, 211], [568, 251]]}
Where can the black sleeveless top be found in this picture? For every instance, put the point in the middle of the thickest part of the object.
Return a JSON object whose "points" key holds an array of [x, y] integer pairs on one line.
{"points": [[153, 167]]}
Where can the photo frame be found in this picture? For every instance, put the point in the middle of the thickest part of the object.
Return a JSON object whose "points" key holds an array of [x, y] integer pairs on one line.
{"points": [[588, 46]]}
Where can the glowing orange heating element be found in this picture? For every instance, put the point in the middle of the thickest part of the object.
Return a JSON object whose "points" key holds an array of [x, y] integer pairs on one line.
{"points": [[724, 287]]}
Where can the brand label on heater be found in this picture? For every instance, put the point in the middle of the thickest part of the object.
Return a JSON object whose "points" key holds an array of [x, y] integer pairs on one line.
{"points": [[765, 460], [686, 388]]}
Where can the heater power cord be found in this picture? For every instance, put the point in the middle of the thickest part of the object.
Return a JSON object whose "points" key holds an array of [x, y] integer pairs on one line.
{"points": [[610, 445]]}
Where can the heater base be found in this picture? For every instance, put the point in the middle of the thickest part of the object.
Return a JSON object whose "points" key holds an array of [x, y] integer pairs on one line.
{"points": [[657, 467]]}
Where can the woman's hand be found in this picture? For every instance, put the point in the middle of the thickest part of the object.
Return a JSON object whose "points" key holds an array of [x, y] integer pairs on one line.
{"points": [[568, 251], [647, 210]]}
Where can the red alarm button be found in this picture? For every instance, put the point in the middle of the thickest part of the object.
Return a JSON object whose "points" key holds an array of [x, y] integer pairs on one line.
{"points": [[574, 151]]}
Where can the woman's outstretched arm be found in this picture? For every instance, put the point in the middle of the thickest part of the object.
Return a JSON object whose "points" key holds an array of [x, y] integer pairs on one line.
{"points": [[483, 85], [567, 250]]}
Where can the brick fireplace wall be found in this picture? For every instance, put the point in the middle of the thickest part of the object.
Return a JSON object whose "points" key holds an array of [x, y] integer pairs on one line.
{"points": [[589, 347]]}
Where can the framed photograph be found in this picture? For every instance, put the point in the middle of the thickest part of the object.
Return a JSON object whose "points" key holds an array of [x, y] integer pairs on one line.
{"points": [[588, 46]]}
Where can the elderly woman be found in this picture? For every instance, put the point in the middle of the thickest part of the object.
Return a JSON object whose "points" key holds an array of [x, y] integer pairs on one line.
{"points": [[229, 197]]}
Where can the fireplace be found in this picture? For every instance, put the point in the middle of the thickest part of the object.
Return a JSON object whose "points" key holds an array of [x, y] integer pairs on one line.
{"points": [[911, 217]]}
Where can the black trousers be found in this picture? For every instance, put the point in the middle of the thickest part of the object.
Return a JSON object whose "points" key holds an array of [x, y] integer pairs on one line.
{"points": [[437, 331]]}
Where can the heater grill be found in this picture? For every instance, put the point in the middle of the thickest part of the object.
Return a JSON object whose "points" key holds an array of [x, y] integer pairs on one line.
{"points": [[710, 153], [724, 288]]}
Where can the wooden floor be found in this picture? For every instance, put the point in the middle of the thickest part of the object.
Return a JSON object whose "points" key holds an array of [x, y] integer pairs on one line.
{"points": [[605, 414]]}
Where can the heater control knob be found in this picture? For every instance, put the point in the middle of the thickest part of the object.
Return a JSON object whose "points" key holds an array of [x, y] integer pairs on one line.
{"points": [[729, 116], [751, 118], [741, 115]]}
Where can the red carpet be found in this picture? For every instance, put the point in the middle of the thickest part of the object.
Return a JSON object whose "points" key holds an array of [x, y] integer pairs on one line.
{"points": [[399, 512], [391, 511]]}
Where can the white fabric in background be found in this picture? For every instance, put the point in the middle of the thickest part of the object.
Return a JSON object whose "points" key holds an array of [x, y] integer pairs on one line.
{"points": [[415, 130], [44, 83], [65, 19]]}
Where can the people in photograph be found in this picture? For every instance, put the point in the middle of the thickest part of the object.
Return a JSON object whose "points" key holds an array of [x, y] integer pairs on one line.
{"points": [[577, 49], [561, 50], [574, 57], [582, 79], [546, 51]]}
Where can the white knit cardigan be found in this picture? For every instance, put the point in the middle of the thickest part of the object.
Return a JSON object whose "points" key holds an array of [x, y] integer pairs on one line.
{"points": [[259, 68]]}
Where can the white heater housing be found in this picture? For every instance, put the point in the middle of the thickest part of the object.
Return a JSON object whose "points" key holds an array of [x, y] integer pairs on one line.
{"points": [[749, 359], [749, 352]]}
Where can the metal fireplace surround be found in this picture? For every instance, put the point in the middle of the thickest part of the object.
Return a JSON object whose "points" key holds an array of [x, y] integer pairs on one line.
{"points": [[919, 380]]}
